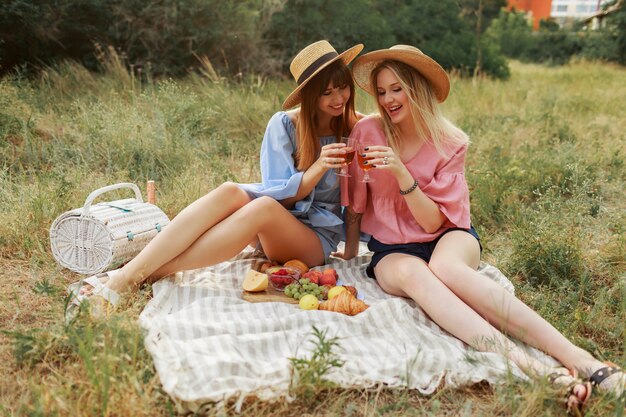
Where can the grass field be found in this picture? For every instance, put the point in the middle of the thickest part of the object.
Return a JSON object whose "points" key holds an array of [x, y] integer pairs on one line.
{"points": [[547, 175]]}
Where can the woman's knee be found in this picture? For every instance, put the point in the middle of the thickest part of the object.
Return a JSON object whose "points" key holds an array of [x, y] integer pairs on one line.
{"points": [[447, 270], [401, 275], [230, 192], [262, 209]]}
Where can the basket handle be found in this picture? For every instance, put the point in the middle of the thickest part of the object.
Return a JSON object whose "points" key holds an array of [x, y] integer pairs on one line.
{"points": [[99, 191]]}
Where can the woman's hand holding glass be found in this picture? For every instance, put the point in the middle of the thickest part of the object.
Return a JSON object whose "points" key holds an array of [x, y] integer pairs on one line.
{"points": [[348, 156], [332, 156], [365, 161]]}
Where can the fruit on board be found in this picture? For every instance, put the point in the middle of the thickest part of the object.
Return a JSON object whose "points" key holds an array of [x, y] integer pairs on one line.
{"points": [[309, 302], [335, 291], [297, 264], [329, 276], [255, 281], [313, 276]]}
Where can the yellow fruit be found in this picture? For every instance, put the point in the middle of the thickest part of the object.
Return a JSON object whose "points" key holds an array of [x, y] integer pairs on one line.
{"points": [[255, 281], [309, 302], [335, 291]]}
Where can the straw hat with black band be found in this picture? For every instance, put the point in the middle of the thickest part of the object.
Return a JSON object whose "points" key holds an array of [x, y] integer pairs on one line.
{"points": [[410, 55], [310, 61]]}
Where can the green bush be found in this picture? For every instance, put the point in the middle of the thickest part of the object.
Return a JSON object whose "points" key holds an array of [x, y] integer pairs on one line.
{"points": [[554, 48], [600, 45], [158, 37], [511, 31]]}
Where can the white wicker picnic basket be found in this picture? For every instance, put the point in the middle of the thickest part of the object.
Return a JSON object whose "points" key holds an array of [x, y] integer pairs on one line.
{"points": [[103, 236]]}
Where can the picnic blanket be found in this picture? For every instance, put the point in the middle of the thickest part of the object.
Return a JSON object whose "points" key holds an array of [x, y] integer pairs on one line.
{"points": [[209, 345]]}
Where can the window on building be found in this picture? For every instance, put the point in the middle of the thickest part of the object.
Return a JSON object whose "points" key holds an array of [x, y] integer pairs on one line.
{"points": [[561, 7]]}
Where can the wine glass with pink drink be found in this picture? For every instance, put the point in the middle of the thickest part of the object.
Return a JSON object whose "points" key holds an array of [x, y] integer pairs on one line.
{"points": [[347, 157], [364, 163]]}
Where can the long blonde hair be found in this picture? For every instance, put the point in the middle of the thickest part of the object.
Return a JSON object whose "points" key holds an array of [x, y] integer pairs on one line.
{"points": [[429, 121], [307, 137]]}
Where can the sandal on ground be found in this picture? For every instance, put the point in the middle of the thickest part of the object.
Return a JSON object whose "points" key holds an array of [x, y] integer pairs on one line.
{"points": [[599, 376], [572, 402], [111, 298]]}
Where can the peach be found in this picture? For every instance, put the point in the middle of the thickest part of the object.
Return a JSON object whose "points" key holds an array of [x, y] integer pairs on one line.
{"points": [[313, 276], [329, 276]]}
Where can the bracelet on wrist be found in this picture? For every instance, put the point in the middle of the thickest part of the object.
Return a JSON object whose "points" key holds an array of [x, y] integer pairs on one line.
{"points": [[408, 190]]}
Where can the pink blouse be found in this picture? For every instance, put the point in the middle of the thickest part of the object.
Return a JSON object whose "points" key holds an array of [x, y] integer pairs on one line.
{"points": [[386, 215]]}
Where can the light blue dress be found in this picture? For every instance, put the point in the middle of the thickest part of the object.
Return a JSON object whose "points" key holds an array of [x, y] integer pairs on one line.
{"points": [[321, 209]]}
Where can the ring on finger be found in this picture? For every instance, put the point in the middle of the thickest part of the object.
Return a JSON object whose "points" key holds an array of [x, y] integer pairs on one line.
{"points": [[386, 160]]}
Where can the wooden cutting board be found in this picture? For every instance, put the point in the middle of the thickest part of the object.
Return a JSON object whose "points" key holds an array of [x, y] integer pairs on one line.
{"points": [[269, 295]]}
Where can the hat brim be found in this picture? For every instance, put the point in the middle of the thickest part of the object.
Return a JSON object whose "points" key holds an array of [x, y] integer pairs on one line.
{"points": [[346, 56], [428, 67]]}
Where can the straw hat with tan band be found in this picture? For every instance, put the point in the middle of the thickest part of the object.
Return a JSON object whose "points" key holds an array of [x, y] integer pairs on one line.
{"points": [[310, 61], [410, 55]]}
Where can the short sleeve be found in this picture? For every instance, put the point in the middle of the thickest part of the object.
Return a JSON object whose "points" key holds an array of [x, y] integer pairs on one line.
{"points": [[354, 191], [448, 189]]}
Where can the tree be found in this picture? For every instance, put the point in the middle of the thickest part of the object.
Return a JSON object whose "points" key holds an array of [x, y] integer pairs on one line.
{"points": [[342, 23], [479, 14], [620, 28], [512, 32]]}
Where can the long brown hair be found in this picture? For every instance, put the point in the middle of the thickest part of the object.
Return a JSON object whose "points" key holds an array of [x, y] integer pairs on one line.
{"points": [[308, 144], [430, 123]]}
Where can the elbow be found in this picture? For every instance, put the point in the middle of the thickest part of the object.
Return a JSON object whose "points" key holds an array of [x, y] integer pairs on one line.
{"points": [[433, 225], [431, 228]]}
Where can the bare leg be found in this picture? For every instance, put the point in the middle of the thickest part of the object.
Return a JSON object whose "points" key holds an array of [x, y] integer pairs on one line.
{"points": [[409, 276], [183, 231], [282, 236], [454, 262], [186, 228]]}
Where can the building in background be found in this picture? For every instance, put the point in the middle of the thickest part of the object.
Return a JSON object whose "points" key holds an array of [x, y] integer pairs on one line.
{"points": [[536, 10], [596, 20], [563, 12]]}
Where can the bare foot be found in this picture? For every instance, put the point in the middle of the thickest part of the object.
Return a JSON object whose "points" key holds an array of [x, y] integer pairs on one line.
{"points": [[577, 391], [103, 277]]}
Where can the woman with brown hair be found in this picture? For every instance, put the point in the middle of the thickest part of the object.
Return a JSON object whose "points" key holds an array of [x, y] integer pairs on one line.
{"points": [[294, 212], [418, 213]]}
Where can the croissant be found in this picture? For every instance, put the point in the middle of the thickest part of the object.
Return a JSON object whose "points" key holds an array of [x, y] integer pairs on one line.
{"points": [[351, 289], [297, 264], [344, 303]]}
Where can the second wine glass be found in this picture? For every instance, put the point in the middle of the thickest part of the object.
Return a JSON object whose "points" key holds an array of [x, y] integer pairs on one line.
{"points": [[347, 157], [364, 164]]}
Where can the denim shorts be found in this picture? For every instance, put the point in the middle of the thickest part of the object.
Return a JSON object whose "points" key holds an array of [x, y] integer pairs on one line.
{"points": [[423, 250]]}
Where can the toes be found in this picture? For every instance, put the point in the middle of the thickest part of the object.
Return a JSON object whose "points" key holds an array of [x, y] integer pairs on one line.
{"points": [[573, 404], [87, 289]]}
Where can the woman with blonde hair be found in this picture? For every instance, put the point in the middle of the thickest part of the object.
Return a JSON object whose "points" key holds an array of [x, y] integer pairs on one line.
{"points": [[294, 212], [417, 211]]}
